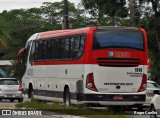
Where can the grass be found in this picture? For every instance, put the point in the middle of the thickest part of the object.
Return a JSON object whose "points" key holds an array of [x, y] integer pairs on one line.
{"points": [[71, 110]]}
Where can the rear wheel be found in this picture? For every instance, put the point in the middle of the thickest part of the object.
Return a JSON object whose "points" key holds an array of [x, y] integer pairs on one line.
{"points": [[152, 108], [31, 93], [11, 100], [67, 97], [20, 100], [115, 109]]}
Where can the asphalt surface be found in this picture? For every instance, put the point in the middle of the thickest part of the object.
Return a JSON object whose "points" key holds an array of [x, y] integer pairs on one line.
{"points": [[7, 105], [8, 110]]}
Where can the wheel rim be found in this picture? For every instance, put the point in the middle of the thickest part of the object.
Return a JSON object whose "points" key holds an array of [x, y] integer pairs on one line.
{"points": [[153, 115]]}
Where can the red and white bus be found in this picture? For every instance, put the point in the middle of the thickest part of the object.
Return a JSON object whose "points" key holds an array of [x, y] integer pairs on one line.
{"points": [[104, 65]]}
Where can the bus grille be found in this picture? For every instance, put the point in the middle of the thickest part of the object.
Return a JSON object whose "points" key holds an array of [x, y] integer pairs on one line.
{"points": [[118, 62]]}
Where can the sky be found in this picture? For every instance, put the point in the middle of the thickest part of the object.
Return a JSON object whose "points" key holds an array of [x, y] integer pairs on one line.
{"points": [[18, 4]]}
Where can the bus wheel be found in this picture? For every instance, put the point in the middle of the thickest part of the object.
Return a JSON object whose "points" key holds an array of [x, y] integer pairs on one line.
{"points": [[20, 100], [31, 94], [67, 97], [11, 100], [115, 108]]}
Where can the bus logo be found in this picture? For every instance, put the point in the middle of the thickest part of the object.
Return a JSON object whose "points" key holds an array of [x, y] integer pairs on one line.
{"points": [[111, 54]]}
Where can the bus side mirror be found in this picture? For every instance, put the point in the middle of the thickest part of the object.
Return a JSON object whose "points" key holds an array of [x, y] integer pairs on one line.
{"points": [[20, 53]]}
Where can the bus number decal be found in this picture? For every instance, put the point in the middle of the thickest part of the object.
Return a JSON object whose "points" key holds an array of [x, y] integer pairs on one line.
{"points": [[138, 69]]}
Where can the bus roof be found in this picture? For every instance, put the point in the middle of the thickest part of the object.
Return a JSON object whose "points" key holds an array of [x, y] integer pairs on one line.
{"points": [[66, 32], [57, 33]]}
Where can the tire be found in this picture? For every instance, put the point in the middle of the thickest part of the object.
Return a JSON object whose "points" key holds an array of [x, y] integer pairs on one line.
{"points": [[115, 108], [31, 94], [152, 108], [67, 97], [140, 108], [20, 100], [11, 100]]}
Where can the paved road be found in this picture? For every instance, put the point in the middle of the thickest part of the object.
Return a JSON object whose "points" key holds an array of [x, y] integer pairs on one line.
{"points": [[6, 104], [8, 108], [133, 113]]}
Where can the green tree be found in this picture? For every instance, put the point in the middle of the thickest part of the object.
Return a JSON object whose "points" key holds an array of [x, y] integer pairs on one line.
{"points": [[150, 13], [111, 8], [3, 35], [54, 14], [3, 41]]}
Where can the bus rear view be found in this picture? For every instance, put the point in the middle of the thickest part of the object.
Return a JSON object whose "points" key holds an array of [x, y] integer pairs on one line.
{"points": [[119, 66]]}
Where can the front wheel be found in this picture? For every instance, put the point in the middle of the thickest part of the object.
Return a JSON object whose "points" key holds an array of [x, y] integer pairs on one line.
{"points": [[152, 108], [67, 97], [31, 94], [20, 100]]}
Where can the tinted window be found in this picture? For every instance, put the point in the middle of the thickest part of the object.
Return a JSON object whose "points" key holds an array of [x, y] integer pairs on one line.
{"points": [[65, 48], [32, 53], [153, 85], [118, 39], [8, 82], [2, 74], [39, 49], [6, 71], [44, 50], [56, 44], [48, 49]]}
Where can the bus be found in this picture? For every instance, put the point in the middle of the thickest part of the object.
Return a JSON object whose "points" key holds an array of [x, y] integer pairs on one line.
{"points": [[94, 65]]}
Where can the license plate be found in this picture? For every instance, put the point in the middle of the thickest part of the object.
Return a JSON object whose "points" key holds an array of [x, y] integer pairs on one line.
{"points": [[118, 98], [9, 95]]}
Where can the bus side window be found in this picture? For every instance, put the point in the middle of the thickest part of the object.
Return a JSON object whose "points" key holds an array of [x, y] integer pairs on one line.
{"points": [[61, 48], [81, 45], [48, 49], [32, 53], [39, 50], [44, 51], [56, 46], [52, 49], [66, 48], [72, 47], [77, 46]]}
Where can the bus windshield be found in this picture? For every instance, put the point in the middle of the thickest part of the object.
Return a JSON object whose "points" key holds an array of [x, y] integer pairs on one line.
{"points": [[118, 39]]}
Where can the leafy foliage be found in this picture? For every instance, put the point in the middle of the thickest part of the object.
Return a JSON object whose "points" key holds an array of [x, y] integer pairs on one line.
{"points": [[111, 8], [16, 26]]}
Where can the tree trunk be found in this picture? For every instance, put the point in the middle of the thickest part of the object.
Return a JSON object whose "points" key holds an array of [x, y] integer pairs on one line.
{"points": [[113, 20], [157, 26], [65, 17], [132, 12]]}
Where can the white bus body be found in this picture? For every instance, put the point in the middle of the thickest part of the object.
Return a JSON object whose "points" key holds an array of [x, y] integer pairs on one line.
{"points": [[109, 76]]}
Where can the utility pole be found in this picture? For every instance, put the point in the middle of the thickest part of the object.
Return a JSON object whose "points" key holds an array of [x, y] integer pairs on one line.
{"points": [[65, 17], [132, 12]]}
